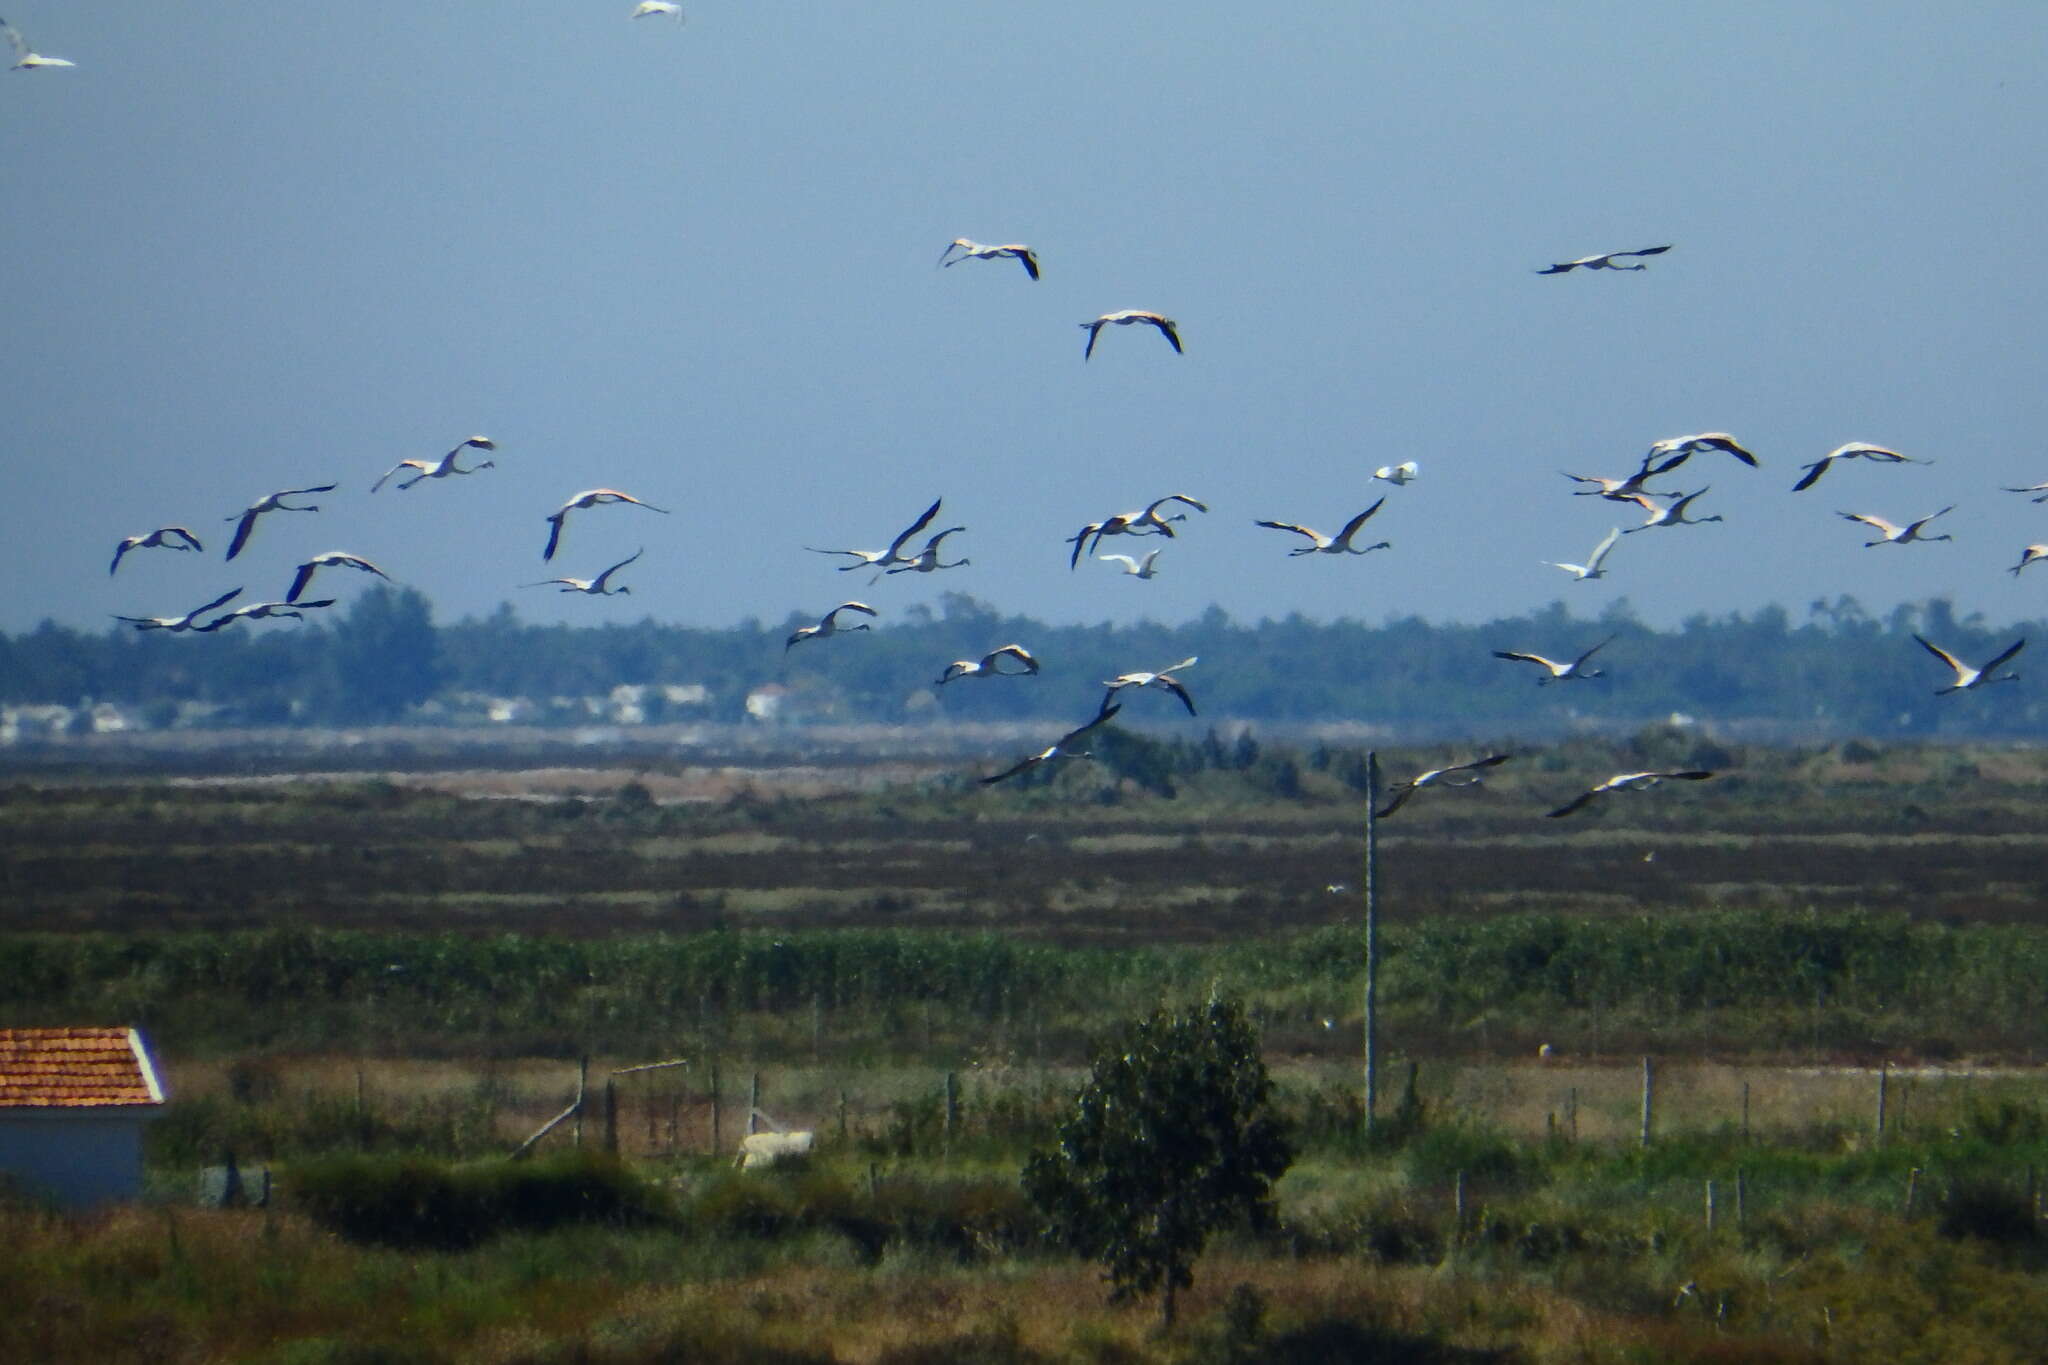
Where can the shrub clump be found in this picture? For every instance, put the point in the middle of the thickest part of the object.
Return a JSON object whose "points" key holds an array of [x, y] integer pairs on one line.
{"points": [[413, 1203]]}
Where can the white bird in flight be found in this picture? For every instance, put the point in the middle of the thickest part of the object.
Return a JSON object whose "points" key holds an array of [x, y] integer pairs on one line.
{"points": [[164, 537], [333, 559], [1456, 775], [1124, 318], [829, 624], [26, 58], [1593, 567], [177, 623], [647, 8], [1632, 782], [1559, 671], [882, 559], [1163, 679], [2041, 488], [2033, 554], [1133, 568], [271, 502], [989, 665], [595, 587], [1968, 678], [1339, 544], [971, 250], [1854, 450], [590, 497], [441, 468], [1605, 261], [1398, 474], [1888, 534], [1059, 748]]}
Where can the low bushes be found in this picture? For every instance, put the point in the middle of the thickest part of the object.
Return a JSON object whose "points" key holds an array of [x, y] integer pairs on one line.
{"points": [[413, 1203]]}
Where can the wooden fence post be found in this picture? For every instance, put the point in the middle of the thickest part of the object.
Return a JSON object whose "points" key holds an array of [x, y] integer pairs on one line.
{"points": [[1458, 1211], [1649, 1100], [1912, 1189], [582, 1081], [753, 1102], [1741, 1196], [1710, 1208], [611, 1116], [1884, 1071]]}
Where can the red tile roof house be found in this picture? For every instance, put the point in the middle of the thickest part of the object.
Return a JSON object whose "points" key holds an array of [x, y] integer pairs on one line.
{"points": [[72, 1105]]}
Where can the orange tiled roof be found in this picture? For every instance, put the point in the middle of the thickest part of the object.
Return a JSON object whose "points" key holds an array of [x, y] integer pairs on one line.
{"points": [[43, 1068]]}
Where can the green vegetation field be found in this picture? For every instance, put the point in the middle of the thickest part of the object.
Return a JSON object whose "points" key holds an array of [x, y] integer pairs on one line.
{"points": [[381, 972]]}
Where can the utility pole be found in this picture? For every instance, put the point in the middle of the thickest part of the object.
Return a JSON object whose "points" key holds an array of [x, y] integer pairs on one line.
{"points": [[1372, 940]]}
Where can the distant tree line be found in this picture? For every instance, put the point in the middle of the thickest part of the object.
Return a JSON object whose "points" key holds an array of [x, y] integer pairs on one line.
{"points": [[1840, 670]]}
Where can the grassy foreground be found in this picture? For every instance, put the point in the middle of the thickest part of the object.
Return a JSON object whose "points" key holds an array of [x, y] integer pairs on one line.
{"points": [[888, 1247]]}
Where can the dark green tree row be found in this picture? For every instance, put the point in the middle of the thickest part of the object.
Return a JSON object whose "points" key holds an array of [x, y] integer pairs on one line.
{"points": [[1838, 670]]}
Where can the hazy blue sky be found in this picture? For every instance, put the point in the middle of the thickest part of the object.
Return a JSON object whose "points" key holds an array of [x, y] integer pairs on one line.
{"points": [[259, 246]]}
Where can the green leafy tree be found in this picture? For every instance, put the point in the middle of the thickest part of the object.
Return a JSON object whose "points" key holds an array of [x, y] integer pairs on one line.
{"points": [[386, 656], [1173, 1137]]}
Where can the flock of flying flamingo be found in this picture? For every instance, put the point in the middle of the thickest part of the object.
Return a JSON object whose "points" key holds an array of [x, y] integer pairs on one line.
{"points": [[1662, 509]]}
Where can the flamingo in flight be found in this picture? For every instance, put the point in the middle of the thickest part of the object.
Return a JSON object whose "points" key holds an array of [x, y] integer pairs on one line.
{"points": [[2033, 554], [882, 559], [989, 665], [592, 497], [1854, 450], [1163, 680], [1559, 670], [1339, 544], [1968, 679], [1671, 514], [164, 537], [927, 559], [260, 611], [178, 623], [1604, 261], [271, 502], [1168, 328], [333, 559], [595, 587], [1631, 782], [1698, 443], [1888, 534], [441, 468], [980, 251], [1059, 748], [1145, 521], [1456, 775], [828, 624]]}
